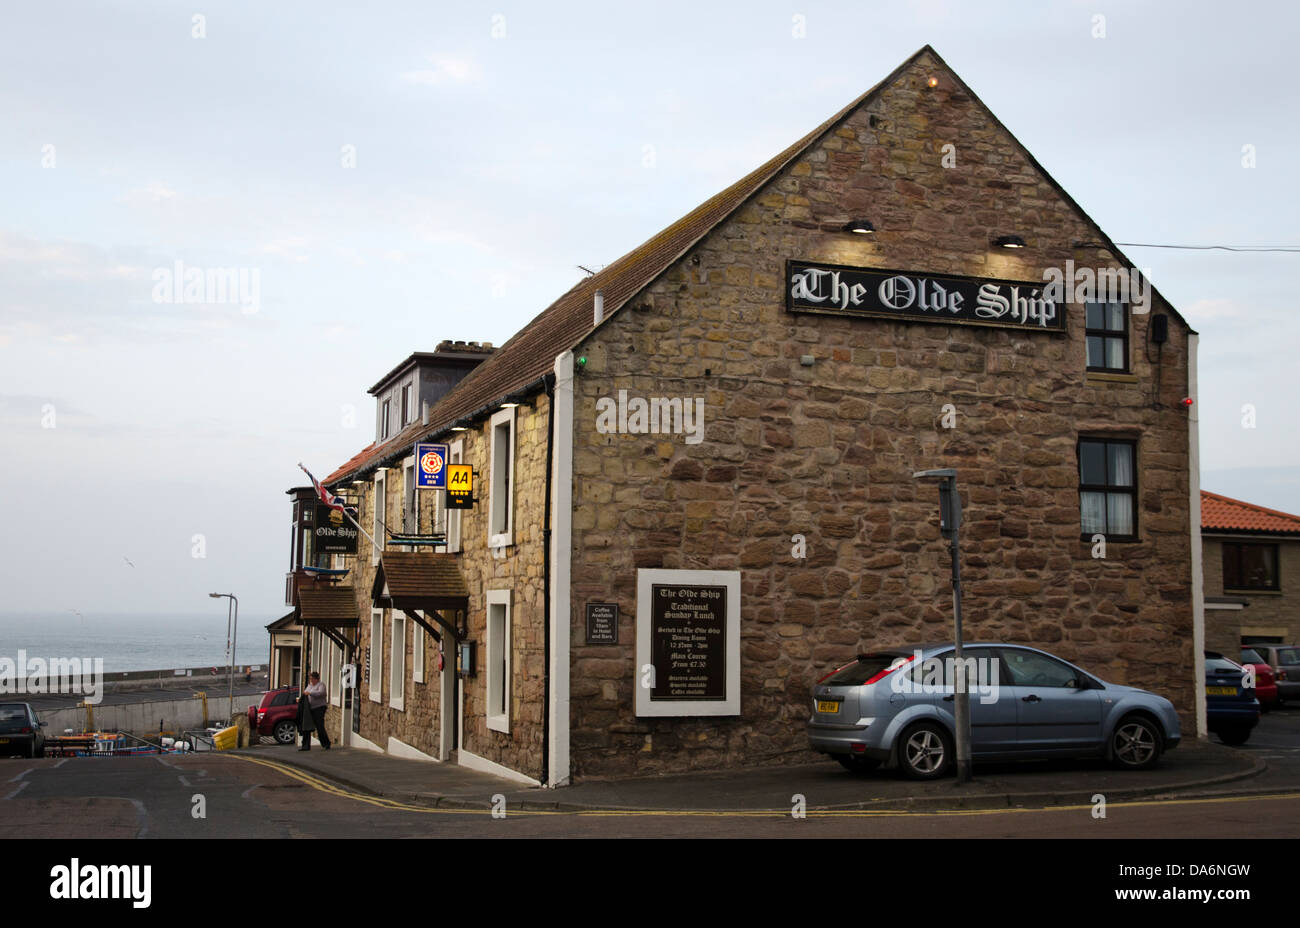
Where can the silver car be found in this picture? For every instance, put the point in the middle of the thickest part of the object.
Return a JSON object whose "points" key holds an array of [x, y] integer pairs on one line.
{"points": [[897, 705]]}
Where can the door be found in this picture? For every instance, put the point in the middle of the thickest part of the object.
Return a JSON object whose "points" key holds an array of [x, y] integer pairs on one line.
{"points": [[992, 714], [1052, 713]]}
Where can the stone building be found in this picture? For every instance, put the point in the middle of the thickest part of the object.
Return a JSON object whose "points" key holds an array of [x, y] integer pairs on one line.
{"points": [[694, 470], [1252, 574]]}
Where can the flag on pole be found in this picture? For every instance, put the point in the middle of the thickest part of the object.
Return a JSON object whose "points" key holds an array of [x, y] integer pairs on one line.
{"points": [[326, 497]]}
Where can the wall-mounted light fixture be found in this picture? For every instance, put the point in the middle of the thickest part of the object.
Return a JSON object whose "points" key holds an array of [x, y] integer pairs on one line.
{"points": [[860, 226], [1009, 241]]}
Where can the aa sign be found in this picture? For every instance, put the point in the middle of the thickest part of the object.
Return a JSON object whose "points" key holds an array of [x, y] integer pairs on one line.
{"points": [[460, 486]]}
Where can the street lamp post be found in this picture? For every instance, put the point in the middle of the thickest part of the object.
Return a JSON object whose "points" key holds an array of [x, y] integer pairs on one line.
{"points": [[232, 639], [949, 523]]}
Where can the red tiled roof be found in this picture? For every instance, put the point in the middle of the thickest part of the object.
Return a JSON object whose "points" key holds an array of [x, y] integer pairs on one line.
{"points": [[1223, 513], [530, 354]]}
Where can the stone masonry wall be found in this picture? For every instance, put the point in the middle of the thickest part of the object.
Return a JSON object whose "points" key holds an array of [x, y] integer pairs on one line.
{"points": [[520, 571], [827, 451]]}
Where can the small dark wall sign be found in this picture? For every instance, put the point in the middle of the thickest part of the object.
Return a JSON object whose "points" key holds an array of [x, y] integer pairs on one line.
{"points": [[602, 623]]}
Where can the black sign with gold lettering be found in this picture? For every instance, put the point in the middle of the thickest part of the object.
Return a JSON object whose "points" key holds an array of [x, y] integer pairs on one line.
{"points": [[688, 642], [916, 296], [334, 533]]}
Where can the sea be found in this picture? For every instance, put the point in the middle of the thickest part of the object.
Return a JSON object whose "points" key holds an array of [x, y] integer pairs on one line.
{"points": [[131, 641]]}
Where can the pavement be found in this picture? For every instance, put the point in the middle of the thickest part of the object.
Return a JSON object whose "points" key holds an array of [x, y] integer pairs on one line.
{"points": [[1194, 768]]}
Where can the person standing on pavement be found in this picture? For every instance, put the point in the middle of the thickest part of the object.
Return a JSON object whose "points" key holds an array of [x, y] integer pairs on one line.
{"points": [[317, 699]]}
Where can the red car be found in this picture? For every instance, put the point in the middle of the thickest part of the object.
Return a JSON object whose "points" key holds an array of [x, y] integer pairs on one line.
{"points": [[277, 715], [1265, 682]]}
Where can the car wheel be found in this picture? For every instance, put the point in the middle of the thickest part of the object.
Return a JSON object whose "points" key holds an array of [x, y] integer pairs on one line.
{"points": [[857, 763], [286, 732], [1135, 744], [925, 751], [1234, 736]]}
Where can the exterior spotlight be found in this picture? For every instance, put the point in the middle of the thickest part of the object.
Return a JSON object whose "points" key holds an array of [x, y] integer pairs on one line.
{"points": [[933, 82], [1009, 241], [582, 361], [1187, 401], [860, 226]]}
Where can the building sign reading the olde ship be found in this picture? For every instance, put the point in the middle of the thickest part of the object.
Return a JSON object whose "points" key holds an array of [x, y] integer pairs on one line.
{"points": [[909, 296], [688, 642], [334, 533]]}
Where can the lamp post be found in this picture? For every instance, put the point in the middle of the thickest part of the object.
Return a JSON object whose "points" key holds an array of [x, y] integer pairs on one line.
{"points": [[232, 638], [949, 522]]}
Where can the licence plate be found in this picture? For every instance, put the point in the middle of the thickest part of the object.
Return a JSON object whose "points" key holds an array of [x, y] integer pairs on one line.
{"points": [[1221, 691], [826, 705]]}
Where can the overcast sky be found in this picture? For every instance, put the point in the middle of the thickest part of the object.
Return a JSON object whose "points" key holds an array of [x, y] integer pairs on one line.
{"points": [[495, 147]]}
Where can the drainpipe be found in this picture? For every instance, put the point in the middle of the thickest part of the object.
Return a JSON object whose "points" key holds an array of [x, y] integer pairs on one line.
{"points": [[1194, 520]]}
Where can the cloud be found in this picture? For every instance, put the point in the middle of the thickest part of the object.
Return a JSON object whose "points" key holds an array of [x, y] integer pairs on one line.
{"points": [[445, 70]]}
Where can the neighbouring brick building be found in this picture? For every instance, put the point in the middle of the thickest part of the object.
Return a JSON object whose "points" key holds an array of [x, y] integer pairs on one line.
{"points": [[1252, 574], [695, 469]]}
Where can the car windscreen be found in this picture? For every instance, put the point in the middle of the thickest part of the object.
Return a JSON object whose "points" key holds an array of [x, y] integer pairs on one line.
{"points": [[1220, 665], [862, 670]]}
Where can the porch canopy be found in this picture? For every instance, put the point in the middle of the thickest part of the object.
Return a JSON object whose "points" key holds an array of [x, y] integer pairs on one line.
{"points": [[331, 609], [424, 582]]}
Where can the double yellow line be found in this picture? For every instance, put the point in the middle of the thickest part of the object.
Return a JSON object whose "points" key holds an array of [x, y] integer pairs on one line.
{"points": [[326, 787]]}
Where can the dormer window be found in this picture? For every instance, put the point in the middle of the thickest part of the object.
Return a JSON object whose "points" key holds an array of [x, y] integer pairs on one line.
{"points": [[385, 417], [406, 405]]}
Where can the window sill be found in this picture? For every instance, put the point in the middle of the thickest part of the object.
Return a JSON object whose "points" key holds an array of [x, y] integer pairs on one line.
{"points": [[504, 540], [1234, 591], [398, 704], [1107, 377], [499, 723]]}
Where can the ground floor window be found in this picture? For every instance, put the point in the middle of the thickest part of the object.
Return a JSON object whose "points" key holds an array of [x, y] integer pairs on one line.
{"points": [[498, 660], [1108, 488], [375, 655], [397, 682]]}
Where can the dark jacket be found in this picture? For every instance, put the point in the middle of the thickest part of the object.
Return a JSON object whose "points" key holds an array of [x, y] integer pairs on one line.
{"points": [[305, 721]]}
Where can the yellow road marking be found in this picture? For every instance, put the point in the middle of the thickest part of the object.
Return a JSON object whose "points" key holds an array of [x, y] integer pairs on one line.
{"points": [[326, 787]]}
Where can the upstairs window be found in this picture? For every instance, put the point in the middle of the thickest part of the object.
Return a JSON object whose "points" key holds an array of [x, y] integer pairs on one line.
{"points": [[1107, 488], [406, 405], [410, 512], [1106, 328], [501, 493], [385, 417], [1248, 566]]}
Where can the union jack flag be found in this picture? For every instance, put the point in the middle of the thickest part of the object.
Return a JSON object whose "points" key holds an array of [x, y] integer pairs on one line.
{"points": [[326, 497]]}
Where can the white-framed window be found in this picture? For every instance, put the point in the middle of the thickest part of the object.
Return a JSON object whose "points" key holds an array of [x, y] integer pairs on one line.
{"points": [[406, 405], [376, 655], [397, 666], [385, 416], [379, 518], [502, 476], [498, 660], [410, 512], [417, 649], [455, 455]]}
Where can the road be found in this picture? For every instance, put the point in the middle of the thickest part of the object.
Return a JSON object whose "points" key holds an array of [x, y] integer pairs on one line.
{"points": [[159, 797]]}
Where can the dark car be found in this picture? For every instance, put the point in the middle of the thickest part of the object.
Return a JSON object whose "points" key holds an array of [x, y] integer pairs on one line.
{"points": [[20, 730], [277, 715], [1231, 709], [1265, 680]]}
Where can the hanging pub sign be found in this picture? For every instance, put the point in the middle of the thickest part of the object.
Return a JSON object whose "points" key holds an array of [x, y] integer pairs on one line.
{"points": [[460, 486], [334, 533], [430, 466], [914, 296]]}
